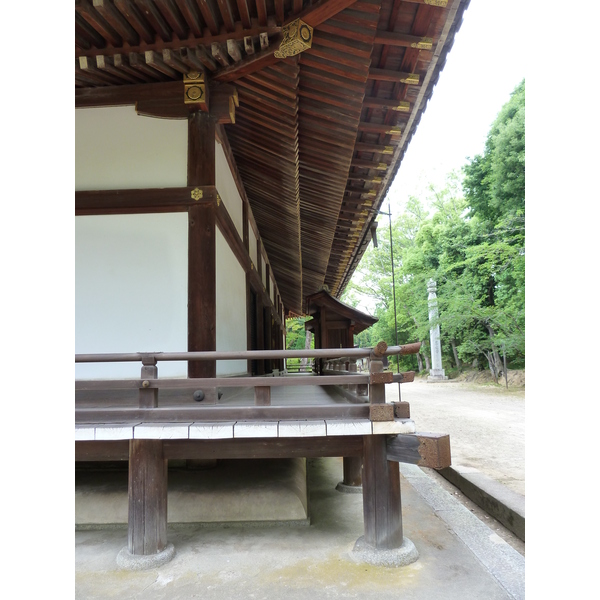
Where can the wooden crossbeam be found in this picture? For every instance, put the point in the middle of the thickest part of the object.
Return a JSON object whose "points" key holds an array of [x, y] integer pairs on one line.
{"points": [[313, 15], [424, 449], [394, 76], [389, 38], [391, 104]]}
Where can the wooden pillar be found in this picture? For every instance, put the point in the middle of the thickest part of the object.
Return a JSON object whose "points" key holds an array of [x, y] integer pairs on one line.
{"points": [[268, 367], [382, 507], [147, 519], [352, 471], [202, 313]]}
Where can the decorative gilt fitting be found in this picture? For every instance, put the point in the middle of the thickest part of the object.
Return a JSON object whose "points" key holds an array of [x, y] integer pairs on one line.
{"points": [[197, 194], [394, 131], [297, 37], [194, 88], [218, 200], [442, 3], [388, 150], [412, 79], [382, 167], [402, 107], [425, 43]]}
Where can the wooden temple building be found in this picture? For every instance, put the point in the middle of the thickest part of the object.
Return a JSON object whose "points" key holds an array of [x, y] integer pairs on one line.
{"points": [[231, 160]]}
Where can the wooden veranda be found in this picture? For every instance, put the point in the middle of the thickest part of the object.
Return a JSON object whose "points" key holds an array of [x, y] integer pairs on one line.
{"points": [[313, 104]]}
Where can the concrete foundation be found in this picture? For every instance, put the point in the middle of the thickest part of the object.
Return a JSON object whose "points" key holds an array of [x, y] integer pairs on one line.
{"points": [[233, 491], [406, 554], [133, 562]]}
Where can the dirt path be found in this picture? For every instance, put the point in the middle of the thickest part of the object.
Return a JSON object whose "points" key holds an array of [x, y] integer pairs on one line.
{"points": [[486, 424]]}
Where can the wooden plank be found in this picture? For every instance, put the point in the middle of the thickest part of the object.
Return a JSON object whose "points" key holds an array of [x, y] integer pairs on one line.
{"points": [[256, 429], [116, 431], [85, 9], [84, 433], [101, 450], [263, 448], [211, 431], [211, 414], [133, 16], [393, 427], [424, 449], [300, 429], [161, 431], [116, 20], [225, 382], [147, 521]]}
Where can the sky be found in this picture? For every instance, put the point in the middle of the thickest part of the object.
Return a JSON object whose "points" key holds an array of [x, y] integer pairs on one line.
{"points": [[485, 64]]}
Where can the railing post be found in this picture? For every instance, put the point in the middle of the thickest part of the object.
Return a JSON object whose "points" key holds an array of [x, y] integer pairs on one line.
{"points": [[383, 542], [148, 397], [262, 395]]}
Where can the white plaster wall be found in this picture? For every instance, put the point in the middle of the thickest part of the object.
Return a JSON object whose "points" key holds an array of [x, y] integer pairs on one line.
{"points": [[228, 189], [252, 244], [130, 290], [117, 149], [231, 331]]}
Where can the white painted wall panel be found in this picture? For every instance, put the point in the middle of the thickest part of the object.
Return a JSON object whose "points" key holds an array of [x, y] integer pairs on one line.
{"points": [[252, 244], [231, 307], [130, 290], [117, 149], [228, 189]]}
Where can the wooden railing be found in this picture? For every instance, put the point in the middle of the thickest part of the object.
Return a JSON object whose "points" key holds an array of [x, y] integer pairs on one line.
{"points": [[206, 389]]}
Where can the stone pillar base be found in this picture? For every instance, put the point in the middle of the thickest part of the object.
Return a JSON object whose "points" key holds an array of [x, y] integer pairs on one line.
{"points": [[437, 375], [348, 489], [397, 557], [141, 562]]}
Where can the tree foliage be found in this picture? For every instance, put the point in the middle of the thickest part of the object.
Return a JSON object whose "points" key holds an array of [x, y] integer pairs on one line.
{"points": [[471, 244]]}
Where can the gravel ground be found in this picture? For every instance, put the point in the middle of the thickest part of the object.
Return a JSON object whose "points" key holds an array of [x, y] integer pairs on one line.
{"points": [[486, 424]]}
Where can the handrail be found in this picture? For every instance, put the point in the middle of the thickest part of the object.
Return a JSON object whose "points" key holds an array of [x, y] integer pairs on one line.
{"points": [[250, 354]]}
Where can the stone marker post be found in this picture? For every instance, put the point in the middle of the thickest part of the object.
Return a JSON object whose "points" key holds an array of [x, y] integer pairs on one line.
{"points": [[436, 373]]}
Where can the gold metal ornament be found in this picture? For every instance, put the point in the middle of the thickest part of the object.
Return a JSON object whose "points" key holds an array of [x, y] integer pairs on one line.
{"points": [[194, 88], [297, 37], [424, 44], [197, 194], [412, 79]]}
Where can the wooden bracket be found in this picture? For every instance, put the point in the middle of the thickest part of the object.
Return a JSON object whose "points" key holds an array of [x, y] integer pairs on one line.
{"points": [[401, 410], [423, 449], [376, 378], [381, 412]]}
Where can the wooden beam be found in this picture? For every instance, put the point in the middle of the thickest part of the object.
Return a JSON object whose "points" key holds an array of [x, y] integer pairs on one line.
{"points": [[394, 76], [314, 15], [133, 16], [116, 20], [392, 104], [209, 413], [265, 448], [201, 245], [423, 449], [389, 38], [85, 9], [135, 201]]}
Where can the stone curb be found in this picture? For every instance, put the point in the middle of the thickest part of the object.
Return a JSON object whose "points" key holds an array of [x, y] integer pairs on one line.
{"points": [[498, 501]]}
